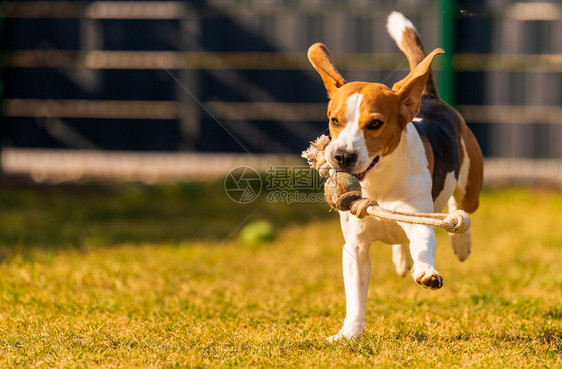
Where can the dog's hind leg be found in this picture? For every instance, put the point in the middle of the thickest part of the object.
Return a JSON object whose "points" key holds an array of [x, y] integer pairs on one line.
{"points": [[461, 243], [402, 259], [468, 187]]}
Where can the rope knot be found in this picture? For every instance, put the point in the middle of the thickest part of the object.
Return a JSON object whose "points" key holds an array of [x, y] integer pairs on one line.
{"points": [[457, 222], [316, 157], [359, 207]]}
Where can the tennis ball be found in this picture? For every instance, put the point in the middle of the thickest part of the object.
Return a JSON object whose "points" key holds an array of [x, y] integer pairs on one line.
{"points": [[260, 231], [341, 190]]}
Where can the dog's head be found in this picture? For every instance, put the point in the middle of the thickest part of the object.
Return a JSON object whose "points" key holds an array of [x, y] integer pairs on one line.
{"points": [[366, 119]]}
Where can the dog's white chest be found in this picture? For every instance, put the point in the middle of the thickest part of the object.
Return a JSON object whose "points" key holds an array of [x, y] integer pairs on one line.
{"points": [[401, 180]]}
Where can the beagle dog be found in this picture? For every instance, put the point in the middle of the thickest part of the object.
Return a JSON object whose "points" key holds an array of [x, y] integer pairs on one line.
{"points": [[411, 152]]}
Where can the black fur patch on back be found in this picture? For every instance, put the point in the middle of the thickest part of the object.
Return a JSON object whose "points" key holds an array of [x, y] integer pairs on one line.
{"points": [[440, 125]]}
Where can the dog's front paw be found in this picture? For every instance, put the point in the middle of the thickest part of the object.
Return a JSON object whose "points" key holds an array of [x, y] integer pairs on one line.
{"points": [[343, 336], [426, 276]]}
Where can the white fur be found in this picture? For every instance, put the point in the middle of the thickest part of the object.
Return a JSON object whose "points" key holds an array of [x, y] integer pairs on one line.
{"points": [[351, 134], [402, 260], [461, 243], [402, 175], [396, 23], [400, 181], [351, 138], [357, 272]]}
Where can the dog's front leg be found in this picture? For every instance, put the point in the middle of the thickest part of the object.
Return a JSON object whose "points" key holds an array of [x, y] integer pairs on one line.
{"points": [[423, 247], [356, 274]]}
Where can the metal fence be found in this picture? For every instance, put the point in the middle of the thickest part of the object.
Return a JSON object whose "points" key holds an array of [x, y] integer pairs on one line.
{"points": [[227, 76]]}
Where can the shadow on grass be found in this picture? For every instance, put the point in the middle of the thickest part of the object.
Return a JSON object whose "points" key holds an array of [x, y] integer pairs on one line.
{"points": [[77, 216]]}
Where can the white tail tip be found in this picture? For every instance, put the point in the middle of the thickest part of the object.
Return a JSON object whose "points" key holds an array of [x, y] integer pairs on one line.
{"points": [[396, 23]]}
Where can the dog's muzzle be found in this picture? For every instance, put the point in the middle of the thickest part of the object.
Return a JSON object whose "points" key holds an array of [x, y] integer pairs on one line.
{"points": [[361, 176]]}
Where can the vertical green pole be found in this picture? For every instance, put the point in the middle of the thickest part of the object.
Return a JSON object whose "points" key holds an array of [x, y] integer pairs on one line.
{"points": [[447, 9]]}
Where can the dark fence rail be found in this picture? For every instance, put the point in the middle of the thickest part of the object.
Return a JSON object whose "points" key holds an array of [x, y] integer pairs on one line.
{"points": [[171, 76]]}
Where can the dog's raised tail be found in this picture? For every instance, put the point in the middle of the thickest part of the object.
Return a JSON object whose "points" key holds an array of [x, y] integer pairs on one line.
{"points": [[408, 40]]}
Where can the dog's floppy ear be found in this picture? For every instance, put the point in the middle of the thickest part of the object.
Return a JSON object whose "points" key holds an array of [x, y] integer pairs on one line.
{"points": [[410, 89], [321, 60]]}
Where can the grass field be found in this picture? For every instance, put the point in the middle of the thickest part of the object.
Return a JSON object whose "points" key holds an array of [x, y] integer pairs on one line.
{"points": [[138, 276]]}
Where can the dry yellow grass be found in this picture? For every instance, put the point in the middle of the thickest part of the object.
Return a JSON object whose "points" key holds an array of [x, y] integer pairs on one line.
{"points": [[97, 278]]}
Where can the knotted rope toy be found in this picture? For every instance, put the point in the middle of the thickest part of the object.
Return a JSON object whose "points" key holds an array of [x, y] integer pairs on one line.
{"points": [[343, 192]]}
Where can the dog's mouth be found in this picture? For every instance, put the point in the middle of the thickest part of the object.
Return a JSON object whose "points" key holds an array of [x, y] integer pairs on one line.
{"points": [[361, 176]]}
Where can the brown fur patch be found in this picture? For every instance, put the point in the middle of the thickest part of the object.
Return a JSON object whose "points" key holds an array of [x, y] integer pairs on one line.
{"points": [[321, 60], [411, 88], [395, 107], [412, 46], [428, 154], [470, 200], [378, 102]]}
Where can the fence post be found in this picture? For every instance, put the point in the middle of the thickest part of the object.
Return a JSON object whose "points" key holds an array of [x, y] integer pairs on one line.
{"points": [[190, 120], [447, 9]]}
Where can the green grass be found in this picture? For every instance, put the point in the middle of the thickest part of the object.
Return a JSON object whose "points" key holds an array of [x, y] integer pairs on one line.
{"points": [[98, 276]]}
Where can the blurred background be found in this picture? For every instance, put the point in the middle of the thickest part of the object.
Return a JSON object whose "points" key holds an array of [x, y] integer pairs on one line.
{"points": [[127, 239], [176, 90]]}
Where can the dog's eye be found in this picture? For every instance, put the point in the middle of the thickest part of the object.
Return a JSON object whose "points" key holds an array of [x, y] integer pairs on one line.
{"points": [[376, 124], [335, 122]]}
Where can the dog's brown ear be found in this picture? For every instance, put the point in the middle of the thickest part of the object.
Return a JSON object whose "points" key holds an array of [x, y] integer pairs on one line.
{"points": [[410, 89], [321, 60]]}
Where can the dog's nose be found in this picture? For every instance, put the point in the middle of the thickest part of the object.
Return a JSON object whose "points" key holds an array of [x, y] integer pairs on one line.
{"points": [[345, 159]]}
